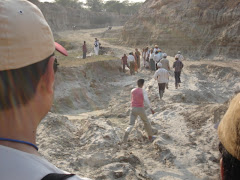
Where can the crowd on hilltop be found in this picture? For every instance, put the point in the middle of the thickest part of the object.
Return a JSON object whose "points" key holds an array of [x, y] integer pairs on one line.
{"points": [[155, 60]]}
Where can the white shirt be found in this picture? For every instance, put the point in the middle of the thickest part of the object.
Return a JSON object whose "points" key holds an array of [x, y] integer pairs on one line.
{"points": [[151, 55], [157, 57], [96, 45], [155, 49], [180, 57], [165, 64], [19, 165], [146, 100], [130, 58], [161, 75]]}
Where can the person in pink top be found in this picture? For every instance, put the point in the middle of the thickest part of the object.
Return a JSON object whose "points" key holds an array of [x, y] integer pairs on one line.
{"points": [[138, 97]]}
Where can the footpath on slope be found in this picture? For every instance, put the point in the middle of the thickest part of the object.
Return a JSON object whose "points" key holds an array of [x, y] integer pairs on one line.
{"points": [[83, 132]]}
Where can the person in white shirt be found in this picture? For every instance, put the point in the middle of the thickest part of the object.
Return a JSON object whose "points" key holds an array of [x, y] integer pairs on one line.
{"points": [[157, 57], [145, 56], [179, 56], [96, 46], [138, 98], [131, 62], [152, 63], [165, 64], [27, 70], [162, 76]]}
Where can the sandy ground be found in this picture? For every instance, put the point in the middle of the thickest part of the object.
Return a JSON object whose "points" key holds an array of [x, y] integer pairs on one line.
{"points": [[83, 132]]}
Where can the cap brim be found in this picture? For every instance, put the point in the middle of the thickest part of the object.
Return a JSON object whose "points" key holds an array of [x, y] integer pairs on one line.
{"points": [[61, 49]]}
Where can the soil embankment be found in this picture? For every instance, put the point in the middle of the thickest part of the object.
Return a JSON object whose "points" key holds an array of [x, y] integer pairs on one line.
{"points": [[198, 28], [84, 130]]}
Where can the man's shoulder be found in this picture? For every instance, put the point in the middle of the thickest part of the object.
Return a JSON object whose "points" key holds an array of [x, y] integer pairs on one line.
{"points": [[18, 163]]}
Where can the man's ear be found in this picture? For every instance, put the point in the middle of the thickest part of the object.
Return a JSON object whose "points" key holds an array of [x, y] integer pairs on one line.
{"points": [[49, 75], [221, 167]]}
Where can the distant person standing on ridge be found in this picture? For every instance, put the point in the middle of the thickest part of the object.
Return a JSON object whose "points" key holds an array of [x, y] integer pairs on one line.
{"points": [[138, 97], [151, 61], [137, 55], [165, 64], [84, 49], [180, 56], [178, 65], [96, 46], [131, 61], [124, 62], [162, 77]]}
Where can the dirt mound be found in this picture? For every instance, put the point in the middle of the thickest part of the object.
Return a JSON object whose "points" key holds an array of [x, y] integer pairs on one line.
{"points": [[84, 88]]}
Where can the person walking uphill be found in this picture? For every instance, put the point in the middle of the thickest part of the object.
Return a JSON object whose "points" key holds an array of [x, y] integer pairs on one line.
{"points": [[138, 97], [162, 76], [137, 55], [124, 62], [131, 61], [178, 65], [165, 64], [27, 71], [84, 49]]}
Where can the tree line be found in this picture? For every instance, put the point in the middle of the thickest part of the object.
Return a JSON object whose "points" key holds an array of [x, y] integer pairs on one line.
{"points": [[113, 6]]}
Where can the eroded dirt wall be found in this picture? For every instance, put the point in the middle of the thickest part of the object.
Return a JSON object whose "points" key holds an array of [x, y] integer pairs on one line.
{"points": [[199, 28]]}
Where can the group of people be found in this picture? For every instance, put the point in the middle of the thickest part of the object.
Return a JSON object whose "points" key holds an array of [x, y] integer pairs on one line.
{"points": [[157, 61], [96, 48], [27, 70]]}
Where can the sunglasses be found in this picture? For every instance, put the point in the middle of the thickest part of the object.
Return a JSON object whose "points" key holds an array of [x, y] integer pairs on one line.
{"points": [[55, 65]]}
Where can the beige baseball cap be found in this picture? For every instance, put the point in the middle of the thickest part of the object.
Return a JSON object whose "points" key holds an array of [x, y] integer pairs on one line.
{"points": [[25, 36], [229, 128]]}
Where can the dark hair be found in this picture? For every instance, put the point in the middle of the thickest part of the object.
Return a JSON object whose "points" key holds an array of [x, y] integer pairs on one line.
{"points": [[18, 86], [231, 165], [140, 82]]}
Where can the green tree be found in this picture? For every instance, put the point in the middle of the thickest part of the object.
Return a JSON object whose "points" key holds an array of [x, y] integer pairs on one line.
{"points": [[95, 5], [114, 6], [70, 3]]}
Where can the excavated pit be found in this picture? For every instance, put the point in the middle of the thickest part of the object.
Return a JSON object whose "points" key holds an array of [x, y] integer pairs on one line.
{"points": [[91, 111]]}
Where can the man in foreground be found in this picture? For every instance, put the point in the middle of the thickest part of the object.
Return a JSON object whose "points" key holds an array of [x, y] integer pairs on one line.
{"points": [[138, 97], [162, 76], [27, 71], [229, 136]]}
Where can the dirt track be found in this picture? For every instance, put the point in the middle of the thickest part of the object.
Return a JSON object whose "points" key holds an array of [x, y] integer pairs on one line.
{"points": [[96, 100]]}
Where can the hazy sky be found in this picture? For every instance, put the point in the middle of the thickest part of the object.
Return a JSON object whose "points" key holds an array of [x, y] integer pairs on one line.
{"points": [[103, 0]]}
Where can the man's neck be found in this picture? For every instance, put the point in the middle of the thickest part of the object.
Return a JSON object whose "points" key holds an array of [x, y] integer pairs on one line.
{"points": [[19, 124]]}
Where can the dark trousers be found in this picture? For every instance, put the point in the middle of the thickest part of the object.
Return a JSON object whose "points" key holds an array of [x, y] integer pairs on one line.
{"points": [[84, 55], [161, 87], [177, 78], [124, 66]]}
